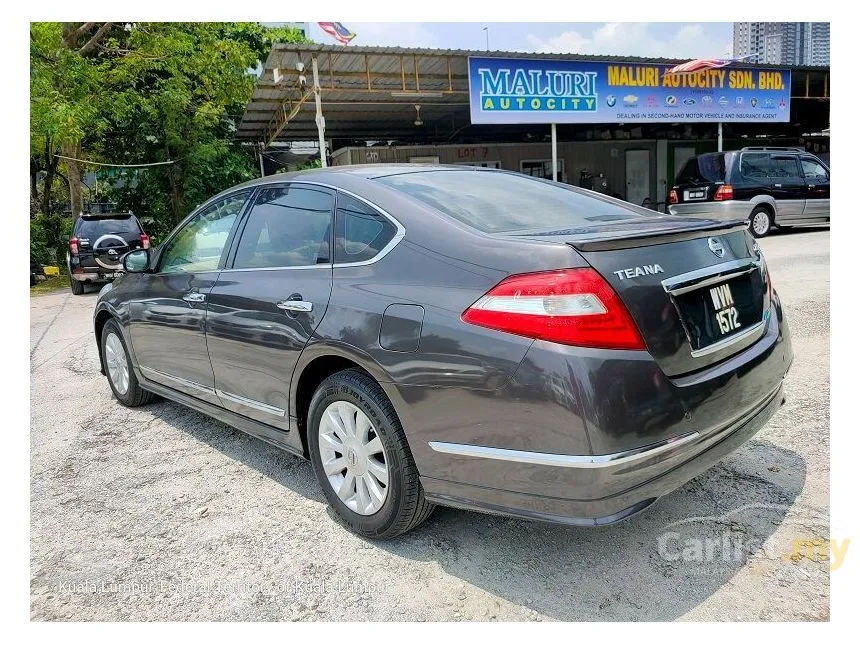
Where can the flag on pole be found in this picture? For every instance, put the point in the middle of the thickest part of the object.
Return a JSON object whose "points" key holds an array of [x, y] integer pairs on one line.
{"points": [[706, 63], [337, 31]]}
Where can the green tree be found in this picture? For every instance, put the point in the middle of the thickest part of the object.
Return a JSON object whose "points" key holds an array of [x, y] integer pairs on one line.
{"points": [[176, 90], [64, 107], [133, 93]]}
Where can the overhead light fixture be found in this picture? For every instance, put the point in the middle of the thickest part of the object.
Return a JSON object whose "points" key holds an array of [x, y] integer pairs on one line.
{"points": [[423, 95], [418, 122]]}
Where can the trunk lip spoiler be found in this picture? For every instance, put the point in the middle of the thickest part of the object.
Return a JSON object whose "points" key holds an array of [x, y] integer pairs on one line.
{"points": [[635, 239]]}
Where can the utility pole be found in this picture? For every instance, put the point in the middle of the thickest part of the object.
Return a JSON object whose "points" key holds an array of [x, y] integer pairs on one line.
{"points": [[487, 33], [320, 118]]}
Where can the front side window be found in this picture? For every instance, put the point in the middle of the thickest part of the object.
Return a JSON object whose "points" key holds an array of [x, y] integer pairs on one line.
{"points": [[198, 246], [814, 170], [361, 231], [288, 226]]}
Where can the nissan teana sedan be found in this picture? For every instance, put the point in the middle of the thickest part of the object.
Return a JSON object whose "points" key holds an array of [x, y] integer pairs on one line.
{"points": [[465, 337]]}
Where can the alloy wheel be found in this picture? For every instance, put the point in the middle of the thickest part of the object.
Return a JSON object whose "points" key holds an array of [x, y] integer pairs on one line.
{"points": [[761, 223], [353, 458], [116, 362]]}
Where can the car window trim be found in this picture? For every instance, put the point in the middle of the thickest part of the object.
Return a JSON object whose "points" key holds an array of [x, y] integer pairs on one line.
{"points": [[227, 245], [395, 240]]}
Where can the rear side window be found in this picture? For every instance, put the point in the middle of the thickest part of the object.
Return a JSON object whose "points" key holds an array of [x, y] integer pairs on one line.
{"points": [[362, 232], [95, 228], [703, 169], [287, 227], [767, 166], [497, 202]]}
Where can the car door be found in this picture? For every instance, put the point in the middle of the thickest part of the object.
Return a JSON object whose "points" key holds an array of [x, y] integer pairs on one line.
{"points": [[788, 187], [166, 320], [817, 178], [267, 303]]}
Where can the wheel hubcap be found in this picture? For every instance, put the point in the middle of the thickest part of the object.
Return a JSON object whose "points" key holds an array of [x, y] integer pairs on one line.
{"points": [[353, 458], [761, 223], [117, 365]]}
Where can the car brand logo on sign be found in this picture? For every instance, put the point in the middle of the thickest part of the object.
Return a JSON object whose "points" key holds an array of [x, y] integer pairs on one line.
{"points": [[610, 100], [716, 247]]}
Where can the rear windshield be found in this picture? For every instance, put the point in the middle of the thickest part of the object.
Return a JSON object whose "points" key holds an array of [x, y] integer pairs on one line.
{"points": [[94, 228], [496, 202], [703, 169]]}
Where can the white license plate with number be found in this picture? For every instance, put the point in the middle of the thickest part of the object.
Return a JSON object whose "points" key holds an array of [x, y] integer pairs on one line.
{"points": [[725, 313], [694, 194]]}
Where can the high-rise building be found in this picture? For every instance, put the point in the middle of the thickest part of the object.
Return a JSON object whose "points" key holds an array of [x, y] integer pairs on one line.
{"points": [[783, 43]]}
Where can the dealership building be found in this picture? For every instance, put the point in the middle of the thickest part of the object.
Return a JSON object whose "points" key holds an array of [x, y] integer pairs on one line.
{"points": [[621, 125]]}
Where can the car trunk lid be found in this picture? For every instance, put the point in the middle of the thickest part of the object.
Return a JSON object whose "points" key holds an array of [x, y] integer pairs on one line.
{"points": [[696, 288]]}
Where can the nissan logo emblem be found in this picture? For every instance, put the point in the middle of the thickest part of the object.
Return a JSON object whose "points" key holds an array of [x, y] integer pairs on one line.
{"points": [[716, 247]]}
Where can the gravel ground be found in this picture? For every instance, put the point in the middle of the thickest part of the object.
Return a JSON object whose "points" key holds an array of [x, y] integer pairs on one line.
{"points": [[160, 513]]}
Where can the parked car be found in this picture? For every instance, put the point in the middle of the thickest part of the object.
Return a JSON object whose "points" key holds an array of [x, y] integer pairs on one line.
{"points": [[97, 243], [764, 186], [466, 337]]}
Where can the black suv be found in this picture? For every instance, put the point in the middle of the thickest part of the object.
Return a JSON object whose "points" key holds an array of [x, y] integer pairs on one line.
{"points": [[98, 243], [763, 185]]}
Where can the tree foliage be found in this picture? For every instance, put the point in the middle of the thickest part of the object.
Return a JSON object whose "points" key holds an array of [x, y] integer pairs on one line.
{"points": [[135, 93]]}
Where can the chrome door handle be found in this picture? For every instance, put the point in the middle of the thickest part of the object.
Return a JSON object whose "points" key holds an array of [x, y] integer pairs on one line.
{"points": [[194, 296], [296, 305]]}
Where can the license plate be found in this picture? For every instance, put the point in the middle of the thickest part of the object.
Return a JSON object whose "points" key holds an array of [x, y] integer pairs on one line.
{"points": [[690, 195], [113, 275], [725, 313], [718, 311]]}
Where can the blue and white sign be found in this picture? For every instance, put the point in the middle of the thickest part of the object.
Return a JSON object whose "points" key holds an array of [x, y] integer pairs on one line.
{"points": [[523, 90]]}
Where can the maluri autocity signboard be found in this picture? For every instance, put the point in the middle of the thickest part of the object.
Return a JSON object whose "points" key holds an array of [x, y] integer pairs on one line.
{"points": [[523, 90]]}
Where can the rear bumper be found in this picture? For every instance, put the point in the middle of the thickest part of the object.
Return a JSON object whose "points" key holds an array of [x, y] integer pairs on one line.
{"points": [[577, 438], [94, 276], [727, 210], [659, 470]]}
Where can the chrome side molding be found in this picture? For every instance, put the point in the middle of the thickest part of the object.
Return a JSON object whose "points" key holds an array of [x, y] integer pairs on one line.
{"points": [[251, 403], [563, 461]]}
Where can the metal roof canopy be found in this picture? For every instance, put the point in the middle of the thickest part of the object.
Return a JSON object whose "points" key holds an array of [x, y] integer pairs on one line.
{"points": [[371, 92]]}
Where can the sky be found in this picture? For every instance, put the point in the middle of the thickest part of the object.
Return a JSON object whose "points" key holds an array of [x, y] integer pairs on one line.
{"points": [[654, 39]]}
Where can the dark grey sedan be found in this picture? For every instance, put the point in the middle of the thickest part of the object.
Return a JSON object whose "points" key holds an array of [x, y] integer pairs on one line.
{"points": [[465, 337]]}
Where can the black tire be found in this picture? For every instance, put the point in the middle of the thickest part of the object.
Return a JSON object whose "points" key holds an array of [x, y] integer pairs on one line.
{"points": [[757, 211], [405, 506], [77, 286], [134, 396]]}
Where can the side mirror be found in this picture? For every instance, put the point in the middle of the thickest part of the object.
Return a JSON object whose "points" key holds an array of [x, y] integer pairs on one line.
{"points": [[136, 261]]}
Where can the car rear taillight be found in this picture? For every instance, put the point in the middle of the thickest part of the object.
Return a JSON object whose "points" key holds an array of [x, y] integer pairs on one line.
{"points": [[73, 245], [144, 241], [673, 197], [724, 193], [569, 306]]}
